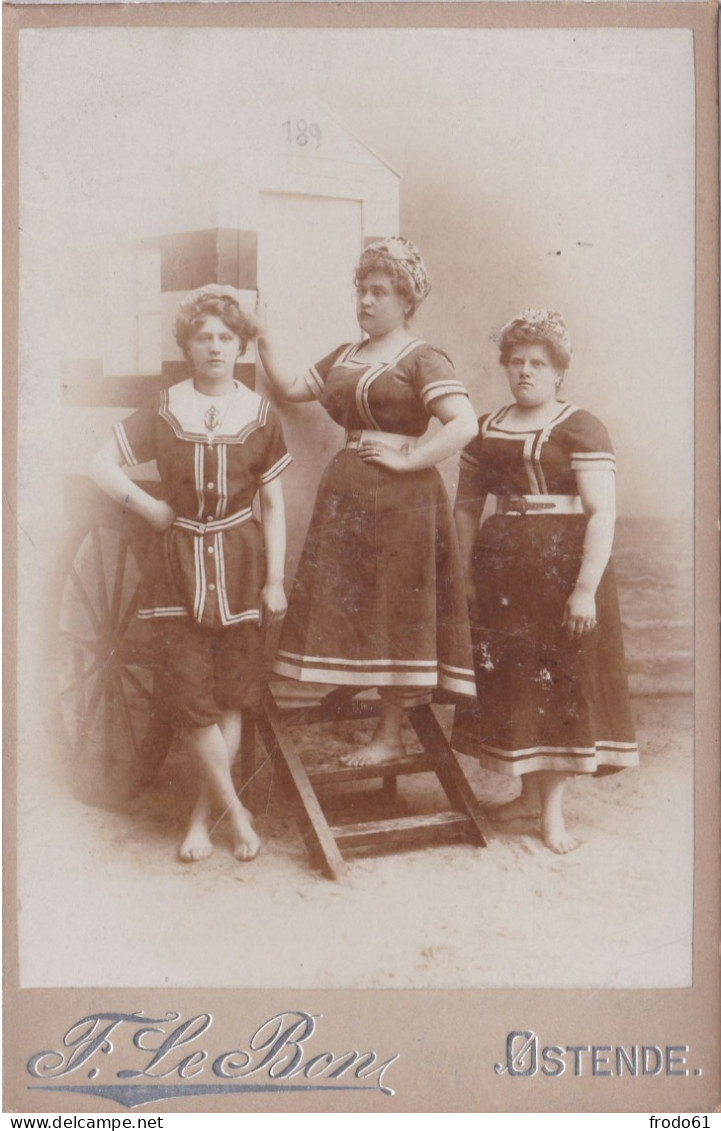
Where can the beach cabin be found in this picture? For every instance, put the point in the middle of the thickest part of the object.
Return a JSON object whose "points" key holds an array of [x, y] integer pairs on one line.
{"points": [[288, 212]]}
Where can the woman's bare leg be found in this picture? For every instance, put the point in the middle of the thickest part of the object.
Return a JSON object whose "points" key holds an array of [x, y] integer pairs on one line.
{"points": [[553, 827], [387, 742], [197, 844], [527, 804], [230, 727], [214, 748]]}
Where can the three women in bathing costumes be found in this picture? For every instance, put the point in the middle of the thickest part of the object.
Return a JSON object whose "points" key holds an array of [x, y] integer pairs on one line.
{"points": [[386, 580]]}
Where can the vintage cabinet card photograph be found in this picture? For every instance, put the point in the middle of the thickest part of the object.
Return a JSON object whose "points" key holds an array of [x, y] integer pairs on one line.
{"points": [[361, 546]]}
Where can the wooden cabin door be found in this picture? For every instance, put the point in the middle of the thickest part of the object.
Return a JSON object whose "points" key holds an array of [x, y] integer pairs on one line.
{"points": [[308, 247]]}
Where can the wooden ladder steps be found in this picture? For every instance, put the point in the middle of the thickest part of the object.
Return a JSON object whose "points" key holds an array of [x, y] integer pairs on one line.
{"points": [[404, 832], [337, 774], [326, 842]]}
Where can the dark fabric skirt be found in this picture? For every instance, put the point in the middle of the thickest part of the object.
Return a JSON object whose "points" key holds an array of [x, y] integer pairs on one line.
{"points": [[378, 598], [545, 701]]}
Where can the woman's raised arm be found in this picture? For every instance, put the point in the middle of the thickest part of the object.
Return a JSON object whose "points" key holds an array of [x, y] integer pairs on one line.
{"points": [[290, 386]]}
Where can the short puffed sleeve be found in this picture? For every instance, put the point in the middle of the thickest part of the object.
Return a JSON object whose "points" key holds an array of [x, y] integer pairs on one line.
{"points": [[316, 376], [136, 436], [587, 443], [275, 457], [434, 375]]}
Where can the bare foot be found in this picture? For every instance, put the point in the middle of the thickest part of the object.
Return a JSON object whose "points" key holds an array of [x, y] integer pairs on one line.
{"points": [[247, 850], [553, 827], [246, 842], [521, 806], [527, 804], [196, 845], [375, 753], [557, 837]]}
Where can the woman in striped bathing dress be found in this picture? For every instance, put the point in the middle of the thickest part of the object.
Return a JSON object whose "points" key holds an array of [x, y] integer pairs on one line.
{"points": [[378, 599], [213, 574], [548, 653]]}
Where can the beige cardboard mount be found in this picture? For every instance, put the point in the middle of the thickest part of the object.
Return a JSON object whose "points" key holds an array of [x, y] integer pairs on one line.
{"points": [[515, 143]]}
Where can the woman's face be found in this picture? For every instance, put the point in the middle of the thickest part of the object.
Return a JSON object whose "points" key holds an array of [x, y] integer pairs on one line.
{"points": [[379, 308], [213, 351], [531, 375]]}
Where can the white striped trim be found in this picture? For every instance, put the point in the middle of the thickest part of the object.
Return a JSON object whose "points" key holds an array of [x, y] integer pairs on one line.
{"points": [[528, 460], [276, 469], [341, 661], [523, 751], [533, 442], [124, 444], [355, 678], [362, 393], [593, 461], [312, 378], [606, 745], [465, 672], [221, 480], [442, 389], [199, 468], [162, 611], [226, 616], [413, 344], [564, 760], [459, 686], [176, 409], [214, 525], [493, 423], [313, 381], [200, 579]]}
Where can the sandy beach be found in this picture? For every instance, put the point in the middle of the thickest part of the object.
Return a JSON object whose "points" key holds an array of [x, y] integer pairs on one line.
{"points": [[614, 913]]}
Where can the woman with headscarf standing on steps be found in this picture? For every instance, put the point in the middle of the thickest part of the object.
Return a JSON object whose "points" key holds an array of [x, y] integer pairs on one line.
{"points": [[378, 598]]}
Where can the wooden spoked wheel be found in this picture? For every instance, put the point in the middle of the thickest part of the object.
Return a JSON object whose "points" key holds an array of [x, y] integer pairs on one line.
{"points": [[106, 668]]}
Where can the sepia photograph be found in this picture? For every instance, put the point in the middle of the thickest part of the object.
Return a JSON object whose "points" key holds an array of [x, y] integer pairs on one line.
{"points": [[357, 498]]}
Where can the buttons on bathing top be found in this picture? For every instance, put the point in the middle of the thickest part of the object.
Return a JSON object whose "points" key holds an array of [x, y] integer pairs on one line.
{"points": [[211, 550], [211, 587], [211, 486]]}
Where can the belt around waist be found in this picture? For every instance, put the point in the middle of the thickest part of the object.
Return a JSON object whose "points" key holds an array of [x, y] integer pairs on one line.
{"points": [[214, 525], [538, 504], [359, 436]]}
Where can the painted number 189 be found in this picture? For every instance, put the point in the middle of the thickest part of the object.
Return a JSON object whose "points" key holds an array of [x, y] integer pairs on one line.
{"points": [[300, 132]]}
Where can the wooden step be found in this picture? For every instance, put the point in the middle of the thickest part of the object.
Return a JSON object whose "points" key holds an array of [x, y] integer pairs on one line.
{"points": [[404, 832], [337, 773], [325, 843]]}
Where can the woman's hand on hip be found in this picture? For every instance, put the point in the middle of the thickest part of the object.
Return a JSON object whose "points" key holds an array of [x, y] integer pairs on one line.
{"points": [[579, 615], [373, 451], [160, 515], [273, 604]]}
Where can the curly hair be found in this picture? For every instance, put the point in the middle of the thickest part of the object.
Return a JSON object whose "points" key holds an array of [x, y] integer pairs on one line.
{"points": [[537, 327], [372, 260], [207, 304]]}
